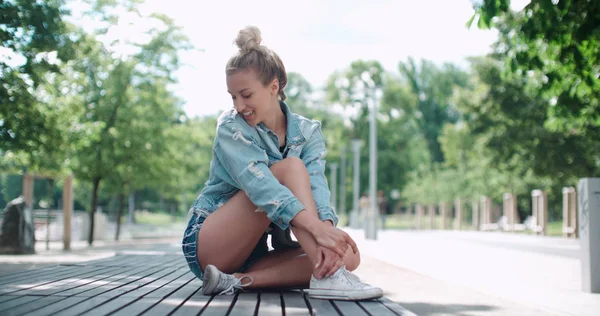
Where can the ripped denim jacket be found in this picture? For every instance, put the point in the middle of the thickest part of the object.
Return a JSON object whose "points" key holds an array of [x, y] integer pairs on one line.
{"points": [[242, 156]]}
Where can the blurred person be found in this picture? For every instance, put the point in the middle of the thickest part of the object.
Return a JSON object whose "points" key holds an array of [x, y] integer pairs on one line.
{"points": [[268, 174], [384, 207], [364, 204]]}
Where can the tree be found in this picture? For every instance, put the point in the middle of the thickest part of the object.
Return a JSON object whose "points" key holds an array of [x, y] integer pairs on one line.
{"points": [[559, 42], [434, 88], [126, 107], [35, 37]]}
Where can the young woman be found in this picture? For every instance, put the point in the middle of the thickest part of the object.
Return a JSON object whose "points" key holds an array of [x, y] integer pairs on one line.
{"points": [[268, 175]]}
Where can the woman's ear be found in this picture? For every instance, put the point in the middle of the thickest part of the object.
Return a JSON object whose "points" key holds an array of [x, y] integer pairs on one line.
{"points": [[274, 87]]}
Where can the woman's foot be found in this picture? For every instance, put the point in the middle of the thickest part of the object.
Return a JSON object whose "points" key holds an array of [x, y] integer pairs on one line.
{"points": [[342, 285], [217, 282]]}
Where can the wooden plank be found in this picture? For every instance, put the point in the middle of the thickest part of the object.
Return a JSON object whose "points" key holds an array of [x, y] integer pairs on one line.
{"points": [[101, 285], [53, 309], [27, 273], [148, 301], [43, 280], [294, 303], [31, 306], [245, 304], [168, 304], [172, 286], [123, 279], [61, 285], [349, 308], [153, 286], [397, 308], [374, 307], [270, 304], [321, 307], [193, 305], [219, 305], [4, 298], [137, 307], [108, 306], [154, 275], [82, 306], [16, 302], [33, 274]]}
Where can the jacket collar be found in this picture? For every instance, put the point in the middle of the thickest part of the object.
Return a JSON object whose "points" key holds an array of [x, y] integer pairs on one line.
{"points": [[293, 133]]}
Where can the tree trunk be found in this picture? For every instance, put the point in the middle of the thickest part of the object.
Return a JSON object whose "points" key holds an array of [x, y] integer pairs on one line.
{"points": [[96, 182], [119, 212]]}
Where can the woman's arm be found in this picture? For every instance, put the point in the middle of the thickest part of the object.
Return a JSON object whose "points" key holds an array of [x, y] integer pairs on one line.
{"points": [[313, 155], [246, 165]]}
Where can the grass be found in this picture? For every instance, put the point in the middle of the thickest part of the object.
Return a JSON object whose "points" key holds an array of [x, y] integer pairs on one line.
{"points": [[157, 219], [394, 221], [403, 221]]}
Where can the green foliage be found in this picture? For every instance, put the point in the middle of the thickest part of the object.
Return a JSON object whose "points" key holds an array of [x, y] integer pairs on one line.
{"points": [[560, 43], [35, 38], [433, 87]]}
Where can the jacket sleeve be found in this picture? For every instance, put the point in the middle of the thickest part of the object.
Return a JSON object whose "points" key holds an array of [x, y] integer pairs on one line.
{"points": [[246, 163], [313, 156]]}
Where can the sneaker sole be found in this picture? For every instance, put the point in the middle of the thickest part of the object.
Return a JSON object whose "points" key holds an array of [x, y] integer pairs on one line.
{"points": [[345, 295], [209, 278]]}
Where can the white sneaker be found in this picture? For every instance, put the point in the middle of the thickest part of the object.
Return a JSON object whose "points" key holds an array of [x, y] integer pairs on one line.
{"points": [[342, 285], [217, 282]]}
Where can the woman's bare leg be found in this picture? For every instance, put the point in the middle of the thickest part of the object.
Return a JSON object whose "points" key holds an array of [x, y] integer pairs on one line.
{"points": [[240, 236], [288, 269]]}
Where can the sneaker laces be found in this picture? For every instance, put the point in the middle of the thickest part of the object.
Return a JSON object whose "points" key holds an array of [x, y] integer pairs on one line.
{"points": [[232, 284], [349, 277]]}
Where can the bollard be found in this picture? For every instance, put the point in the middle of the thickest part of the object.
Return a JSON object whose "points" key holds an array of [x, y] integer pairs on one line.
{"points": [[569, 213], [458, 213], [475, 214], [28, 190], [540, 211], [419, 215], [431, 211], [443, 214], [509, 210], [486, 213], [67, 211], [588, 192]]}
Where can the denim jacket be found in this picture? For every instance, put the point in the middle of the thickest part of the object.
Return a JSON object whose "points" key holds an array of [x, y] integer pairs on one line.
{"points": [[241, 159]]}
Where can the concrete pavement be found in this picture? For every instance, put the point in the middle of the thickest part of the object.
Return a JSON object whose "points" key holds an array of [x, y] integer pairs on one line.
{"points": [[511, 274]]}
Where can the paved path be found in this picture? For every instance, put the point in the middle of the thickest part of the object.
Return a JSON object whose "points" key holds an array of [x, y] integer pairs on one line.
{"points": [[509, 274]]}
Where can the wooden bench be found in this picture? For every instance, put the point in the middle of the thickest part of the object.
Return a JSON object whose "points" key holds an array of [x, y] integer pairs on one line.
{"points": [[154, 284]]}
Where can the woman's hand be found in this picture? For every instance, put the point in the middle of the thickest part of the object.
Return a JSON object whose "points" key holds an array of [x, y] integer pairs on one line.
{"points": [[334, 239], [328, 262]]}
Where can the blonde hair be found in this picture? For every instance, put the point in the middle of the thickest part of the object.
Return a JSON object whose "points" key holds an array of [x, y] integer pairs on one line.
{"points": [[258, 57]]}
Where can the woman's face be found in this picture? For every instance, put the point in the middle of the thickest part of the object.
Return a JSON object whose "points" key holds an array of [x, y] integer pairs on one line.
{"points": [[251, 99]]}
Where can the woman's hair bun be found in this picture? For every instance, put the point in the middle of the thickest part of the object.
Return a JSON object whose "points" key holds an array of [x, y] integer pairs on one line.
{"points": [[248, 39]]}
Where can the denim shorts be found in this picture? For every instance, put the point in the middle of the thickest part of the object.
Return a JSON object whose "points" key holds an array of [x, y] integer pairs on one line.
{"points": [[190, 240]]}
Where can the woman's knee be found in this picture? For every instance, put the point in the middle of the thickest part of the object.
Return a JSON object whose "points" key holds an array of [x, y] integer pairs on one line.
{"points": [[283, 167], [352, 260]]}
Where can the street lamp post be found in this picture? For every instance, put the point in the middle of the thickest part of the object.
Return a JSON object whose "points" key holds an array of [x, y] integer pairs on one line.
{"points": [[356, 144], [373, 212]]}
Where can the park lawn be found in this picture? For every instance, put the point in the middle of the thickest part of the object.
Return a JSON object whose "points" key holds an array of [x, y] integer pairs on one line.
{"points": [[157, 219]]}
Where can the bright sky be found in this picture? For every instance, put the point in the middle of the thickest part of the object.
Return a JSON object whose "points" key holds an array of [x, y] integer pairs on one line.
{"points": [[315, 37]]}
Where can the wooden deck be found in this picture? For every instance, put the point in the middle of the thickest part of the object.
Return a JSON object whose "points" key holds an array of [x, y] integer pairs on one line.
{"points": [[154, 284]]}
